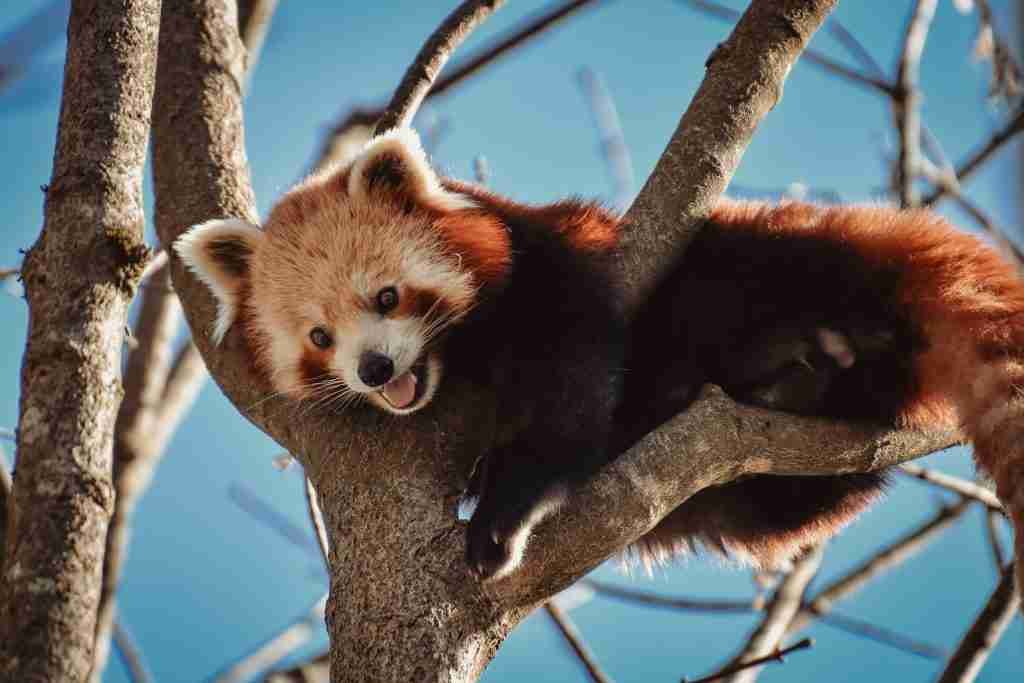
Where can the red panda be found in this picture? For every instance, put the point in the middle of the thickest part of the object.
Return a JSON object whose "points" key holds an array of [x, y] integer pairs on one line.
{"points": [[374, 279]]}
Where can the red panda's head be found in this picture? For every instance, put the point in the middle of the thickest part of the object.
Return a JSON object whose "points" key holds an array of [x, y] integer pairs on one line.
{"points": [[346, 290]]}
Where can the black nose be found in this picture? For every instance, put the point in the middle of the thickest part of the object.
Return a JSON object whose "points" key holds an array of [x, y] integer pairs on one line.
{"points": [[375, 369]]}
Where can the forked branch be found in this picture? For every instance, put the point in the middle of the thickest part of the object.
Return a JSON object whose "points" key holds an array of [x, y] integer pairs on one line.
{"points": [[406, 532], [431, 59]]}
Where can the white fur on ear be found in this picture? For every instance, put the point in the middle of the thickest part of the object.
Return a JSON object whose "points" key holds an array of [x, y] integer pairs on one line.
{"points": [[412, 172], [218, 252]]}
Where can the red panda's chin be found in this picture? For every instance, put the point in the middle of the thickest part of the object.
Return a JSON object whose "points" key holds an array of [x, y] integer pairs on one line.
{"points": [[412, 390]]}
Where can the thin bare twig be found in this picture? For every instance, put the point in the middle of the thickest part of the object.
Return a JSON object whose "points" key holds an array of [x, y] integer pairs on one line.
{"points": [[907, 101], [781, 609], [989, 45], [25, 41], [257, 508], [134, 461], [967, 489], [130, 654], [813, 56], [575, 640], [776, 656], [277, 647], [481, 170], [357, 127], [946, 179], [981, 638], [975, 160], [254, 18], [423, 71], [850, 625], [186, 378], [316, 519], [528, 30], [882, 635], [995, 544], [854, 47], [888, 557], [612, 141], [711, 605]]}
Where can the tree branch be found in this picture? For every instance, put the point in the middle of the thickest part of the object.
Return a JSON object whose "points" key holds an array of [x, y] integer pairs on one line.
{"points": [[784, 605], [277, 647], [610, 136], [979, 157], [857, 627], [886, 558], [995, 544], [79, 278], [136, 448], [357, 127], [708, 605], [947, 181], [131, 655], [743, 82], [420, 76], [776, 656], [979, 641], [714, 442], [158, 393], [254, 17], [575, 641], [907, 99], [874, 82], [967, 489]]}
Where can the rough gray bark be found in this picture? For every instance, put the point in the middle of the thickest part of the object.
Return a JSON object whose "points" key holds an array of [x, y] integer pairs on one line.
{"points": [[402, 605], [744, 81], [144, 426], [79, 278], [159, 390]]}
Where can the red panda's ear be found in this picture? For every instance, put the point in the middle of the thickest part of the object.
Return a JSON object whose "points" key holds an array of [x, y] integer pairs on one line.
{"points": [[395, 164], [219, 252]]}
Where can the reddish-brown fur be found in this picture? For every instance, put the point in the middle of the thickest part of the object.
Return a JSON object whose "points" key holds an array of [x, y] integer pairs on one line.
{"points": [[585, 225], [965, 299], [481, 240]]}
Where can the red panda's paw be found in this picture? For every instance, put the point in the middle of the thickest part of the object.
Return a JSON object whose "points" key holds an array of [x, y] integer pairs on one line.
{"points": [[489, 555], [500, 528]]}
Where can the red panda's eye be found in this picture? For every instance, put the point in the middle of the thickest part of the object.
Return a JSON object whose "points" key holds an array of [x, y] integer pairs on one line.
{"points": [[320, 338], [387, 299]]}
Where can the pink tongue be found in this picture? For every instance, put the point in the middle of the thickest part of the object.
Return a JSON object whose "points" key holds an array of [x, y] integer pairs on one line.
{"points": [[400, 391]]}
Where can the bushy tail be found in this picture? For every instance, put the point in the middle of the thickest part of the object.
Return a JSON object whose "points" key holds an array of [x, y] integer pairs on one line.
{"points": [[763, 521], [958, 301]]}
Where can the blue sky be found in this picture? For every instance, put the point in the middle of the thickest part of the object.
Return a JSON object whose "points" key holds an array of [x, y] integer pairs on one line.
{"points": [[207, 582]]}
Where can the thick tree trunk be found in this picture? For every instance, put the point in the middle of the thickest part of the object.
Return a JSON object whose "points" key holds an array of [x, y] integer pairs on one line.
{"points": [[402, 606], [79, 279]]}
